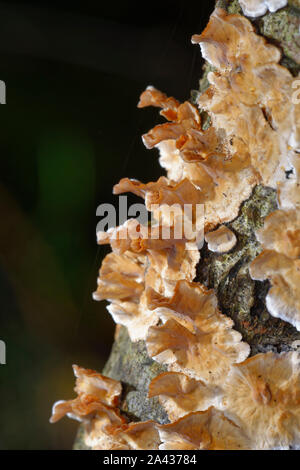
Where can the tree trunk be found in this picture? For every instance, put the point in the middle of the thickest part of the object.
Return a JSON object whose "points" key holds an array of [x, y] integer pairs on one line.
{"points": [[239, 296]]}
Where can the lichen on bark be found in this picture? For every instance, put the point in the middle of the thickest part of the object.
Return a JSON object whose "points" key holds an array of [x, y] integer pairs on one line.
{"points": [[130, 364], [239, 296]]}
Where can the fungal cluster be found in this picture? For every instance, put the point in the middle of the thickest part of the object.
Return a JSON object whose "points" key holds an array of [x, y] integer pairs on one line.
{"points": [[255, 8], [216, 397]]}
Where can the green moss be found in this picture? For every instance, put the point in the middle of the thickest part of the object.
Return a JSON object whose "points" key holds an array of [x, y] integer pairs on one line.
{"points": [[231, 6], [234, 7], [282, 28]]}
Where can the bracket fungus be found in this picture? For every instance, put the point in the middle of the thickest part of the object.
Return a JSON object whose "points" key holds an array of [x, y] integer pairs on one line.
{"points": [[97, 407], [250, 97], [262, 395], [121, 277], [194, 337], [180, 395], [171, 257], [144, 260], [187, 151], [121, 281], [203, 430], [214, 396], [279, 262], [257, 8], [96, 394], [220, 240], [126, 436], [170, 202]]}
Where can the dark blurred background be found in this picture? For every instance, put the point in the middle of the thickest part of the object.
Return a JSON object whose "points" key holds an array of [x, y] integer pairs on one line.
{"points": [[69, 131]]}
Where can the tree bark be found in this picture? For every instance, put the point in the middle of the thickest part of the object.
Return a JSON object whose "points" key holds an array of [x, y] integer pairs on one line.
{"points": [[239, 296]]}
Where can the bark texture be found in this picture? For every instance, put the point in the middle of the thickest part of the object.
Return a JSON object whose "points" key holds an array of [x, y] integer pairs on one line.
{"points": [[239, 296]]}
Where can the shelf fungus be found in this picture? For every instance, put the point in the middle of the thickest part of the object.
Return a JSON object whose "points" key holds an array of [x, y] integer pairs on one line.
{"points": [[188, 152], [121, 277], [262, 395], [203, 430], [169, 255], [126, 436], [280, 263], [96, 395], [193, 143], [194, 337], [122, 280], [214, 396], [255, 8], [172, 203], [180, 395], [250, 96], [220, 240]]}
